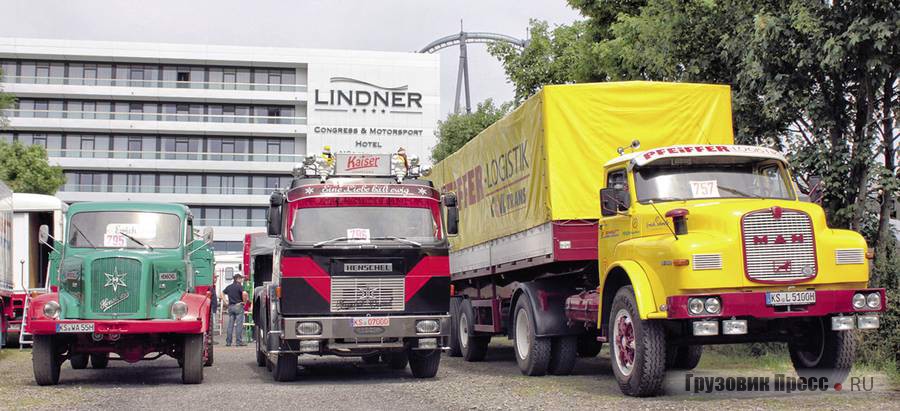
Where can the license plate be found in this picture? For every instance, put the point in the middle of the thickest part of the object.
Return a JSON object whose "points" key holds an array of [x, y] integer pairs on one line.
{"points": [[75, 327], [371, 322], [791, 298], [14, 327]]}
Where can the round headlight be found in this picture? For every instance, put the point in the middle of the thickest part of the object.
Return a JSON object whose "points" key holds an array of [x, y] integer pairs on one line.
{"points": [[874, 301], [713, 306], [695, 306], [51, 309], [179, 310], [428, 327], [859, 301], [309, 328]]}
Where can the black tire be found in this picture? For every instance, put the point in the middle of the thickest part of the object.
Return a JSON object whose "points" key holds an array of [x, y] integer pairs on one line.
{"points": [[647, 348], [824, 353], [192, 357], [455, 350], [685, 357], [285, 368], [4, 324], [588, 346], [45, 360], [472, 347], [424, 364], [79, 361], [371, 359], [99, 361], [260, 355], [563, 354], [532, 353], [210, 352], [396, 360]]}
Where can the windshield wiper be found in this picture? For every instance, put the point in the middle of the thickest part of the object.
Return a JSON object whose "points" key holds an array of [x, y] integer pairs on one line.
{"points": [[658, 199], [738, 192], [78, 230], [128, 236], [333, 240], [402, 240]]}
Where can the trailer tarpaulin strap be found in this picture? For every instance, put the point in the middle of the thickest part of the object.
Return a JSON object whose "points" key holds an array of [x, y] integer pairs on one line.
{"points": [[544, 161]]}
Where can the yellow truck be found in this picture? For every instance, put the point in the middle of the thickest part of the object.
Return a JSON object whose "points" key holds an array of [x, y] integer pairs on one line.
{"points": [[624, 213]]}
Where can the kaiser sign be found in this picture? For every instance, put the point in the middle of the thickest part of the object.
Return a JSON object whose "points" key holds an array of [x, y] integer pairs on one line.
{"points": [[363, 164]]}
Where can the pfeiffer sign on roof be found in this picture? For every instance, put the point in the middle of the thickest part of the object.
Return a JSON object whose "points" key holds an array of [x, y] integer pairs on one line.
{"points": [[649, 156]]}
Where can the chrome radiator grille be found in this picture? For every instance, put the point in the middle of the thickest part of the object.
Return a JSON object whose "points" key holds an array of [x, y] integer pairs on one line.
{"points": [[779, 245], [350, 294], [116, 285]]}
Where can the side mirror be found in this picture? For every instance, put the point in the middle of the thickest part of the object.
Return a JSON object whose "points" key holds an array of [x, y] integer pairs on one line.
{"points": [[452, 214], [274, 215], [44, 234], [613, 201], [207, 235], [816, 192]]}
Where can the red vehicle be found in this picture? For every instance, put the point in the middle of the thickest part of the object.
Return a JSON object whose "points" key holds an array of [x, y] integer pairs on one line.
{"points": [[359, 266]]}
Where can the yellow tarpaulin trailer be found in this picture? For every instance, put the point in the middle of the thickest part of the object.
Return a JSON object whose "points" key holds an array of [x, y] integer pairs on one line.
{"points": [[543, 162]]}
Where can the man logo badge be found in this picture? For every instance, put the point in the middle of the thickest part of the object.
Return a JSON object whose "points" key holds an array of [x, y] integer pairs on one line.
{"points": [[368, 268]]}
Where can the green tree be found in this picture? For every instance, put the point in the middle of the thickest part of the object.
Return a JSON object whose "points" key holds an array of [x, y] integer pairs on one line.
{"points": [[458, 129], [26, 170], [6, 101]]}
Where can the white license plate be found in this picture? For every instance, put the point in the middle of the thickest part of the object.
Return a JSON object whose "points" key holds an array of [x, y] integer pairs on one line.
{"points": [[75, 327], [14, 327], [371, 321], [791, 298]]}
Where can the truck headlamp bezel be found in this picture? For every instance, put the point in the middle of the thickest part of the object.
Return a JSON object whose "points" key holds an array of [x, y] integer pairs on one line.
{"points": [[695, 306], [859, 301], [51, 309], [179, 310], [873, 301]]}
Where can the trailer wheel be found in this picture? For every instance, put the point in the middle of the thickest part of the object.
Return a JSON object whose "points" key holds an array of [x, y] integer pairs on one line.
{"points": [[260, 355], [78, 361], [45, 360], [532, 353], [472, 347], [823, 353], [192, 368], [684, 357], [424, 364], [588, 346], [563, 354], [285, 368], [99, 361], [396, 360], [455, 350], [637, 347]]}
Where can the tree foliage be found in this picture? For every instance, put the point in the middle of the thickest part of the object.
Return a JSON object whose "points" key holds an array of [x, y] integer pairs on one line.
{"points": [[6, 101], [458, 129], [26, 170]]}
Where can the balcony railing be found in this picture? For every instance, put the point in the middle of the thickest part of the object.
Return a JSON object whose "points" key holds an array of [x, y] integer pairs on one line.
{"points": [[154, 189], [175, 155], [230, 222], [119, 115], [206, 85]]}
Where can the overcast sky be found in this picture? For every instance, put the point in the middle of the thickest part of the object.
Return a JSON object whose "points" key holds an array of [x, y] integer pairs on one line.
{"points": [[388, 25]]}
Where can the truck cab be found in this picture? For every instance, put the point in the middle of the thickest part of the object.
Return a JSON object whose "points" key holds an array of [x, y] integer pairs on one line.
{"points": [[360, 267], [704, 244], [127, 278]]}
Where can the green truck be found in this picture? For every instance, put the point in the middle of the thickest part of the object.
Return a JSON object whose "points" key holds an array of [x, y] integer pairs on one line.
{"points": [[130, 279]]}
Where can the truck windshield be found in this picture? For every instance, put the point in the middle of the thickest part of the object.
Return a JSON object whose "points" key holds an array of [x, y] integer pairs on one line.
{"points": [[363, 224], [681, 180], [124, 229]]}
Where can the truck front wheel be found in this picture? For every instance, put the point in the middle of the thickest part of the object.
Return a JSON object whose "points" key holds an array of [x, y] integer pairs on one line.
{"points": [[192, 368], [455, 351], [532, 353], [472, 347], [684, 357], [45, 360], [823, 353], [637, 347], [78, 361], [424, 364], [285, 368]]}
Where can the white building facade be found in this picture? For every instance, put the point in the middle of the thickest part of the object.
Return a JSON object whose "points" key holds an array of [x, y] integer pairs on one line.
{"points": [[214, 127]]}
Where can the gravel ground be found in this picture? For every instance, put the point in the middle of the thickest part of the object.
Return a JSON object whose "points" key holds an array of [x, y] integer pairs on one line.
{"points": [[235, 382]]}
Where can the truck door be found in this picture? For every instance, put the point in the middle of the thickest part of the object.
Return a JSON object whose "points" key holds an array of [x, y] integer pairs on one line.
{"points": [[613, 229]]}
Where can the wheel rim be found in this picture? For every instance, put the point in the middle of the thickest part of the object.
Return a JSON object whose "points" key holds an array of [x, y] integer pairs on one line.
{"points": [[813, 347], [523, 334], [624, 342], [463, 331]]}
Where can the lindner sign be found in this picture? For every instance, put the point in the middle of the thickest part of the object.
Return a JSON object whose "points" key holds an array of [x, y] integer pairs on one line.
{"points": [[371, 98]]}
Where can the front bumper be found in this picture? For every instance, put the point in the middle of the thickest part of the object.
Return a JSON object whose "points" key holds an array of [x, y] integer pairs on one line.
{"points": [[48, 327], [341, 328], [753, 305]]}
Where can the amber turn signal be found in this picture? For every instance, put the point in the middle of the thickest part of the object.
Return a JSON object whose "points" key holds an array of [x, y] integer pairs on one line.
{"points": [[681, 262]]}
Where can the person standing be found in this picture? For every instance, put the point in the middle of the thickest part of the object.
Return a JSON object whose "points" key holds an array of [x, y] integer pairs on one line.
{"points": [[214, 308], [235, 297]]}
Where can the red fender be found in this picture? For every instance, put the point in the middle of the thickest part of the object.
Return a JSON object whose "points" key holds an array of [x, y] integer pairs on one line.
{"points": [[198, 307]]}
